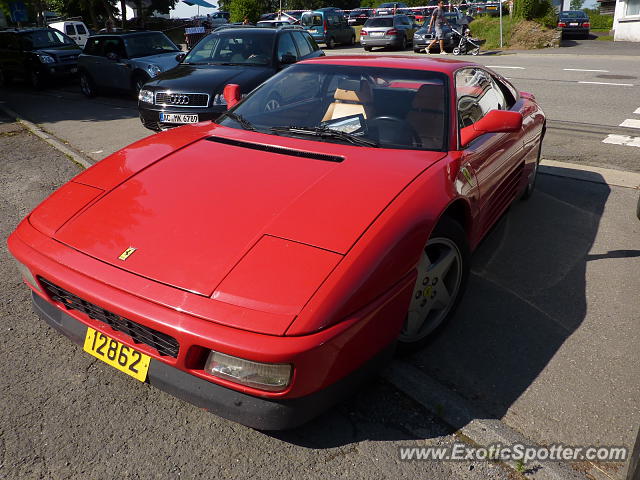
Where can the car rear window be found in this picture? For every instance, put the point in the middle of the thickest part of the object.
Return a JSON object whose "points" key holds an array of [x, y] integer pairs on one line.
{"points": [[311, 20], [573, 15], [379, 22], [152, 43]]}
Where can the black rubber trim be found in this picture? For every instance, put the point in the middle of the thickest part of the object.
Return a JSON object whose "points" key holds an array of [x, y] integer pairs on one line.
{"points": [[255, 412], [280, 150]]}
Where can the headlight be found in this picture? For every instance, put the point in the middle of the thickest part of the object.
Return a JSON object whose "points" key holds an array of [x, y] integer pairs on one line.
{"points": [[154, 70], [145, 96], [417, 37], [219, 100], [46, 58], [272, 377], [28, 276]]}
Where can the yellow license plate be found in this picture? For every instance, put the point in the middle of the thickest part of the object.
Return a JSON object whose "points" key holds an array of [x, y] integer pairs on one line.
{"points": [[110, 351]]}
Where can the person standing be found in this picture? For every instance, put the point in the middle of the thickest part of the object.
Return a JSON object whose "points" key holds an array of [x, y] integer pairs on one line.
{"points": [[437, 20]]}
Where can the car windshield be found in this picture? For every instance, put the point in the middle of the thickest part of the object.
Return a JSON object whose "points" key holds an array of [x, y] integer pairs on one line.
{"points": [[365, 106], [379, 22], [152, 43], [311, 20], [47, 39], [230, 47]]}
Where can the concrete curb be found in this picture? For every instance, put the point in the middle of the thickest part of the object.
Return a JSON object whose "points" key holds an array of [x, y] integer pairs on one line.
{"points": [[76, 156], [588, 173], [478, 427]]}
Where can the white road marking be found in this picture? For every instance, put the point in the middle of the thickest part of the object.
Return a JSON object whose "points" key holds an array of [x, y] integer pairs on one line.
{"points": [[631, 123], [584, 70], [607, 83], [504, 66], [637, 111], [623, 140]]}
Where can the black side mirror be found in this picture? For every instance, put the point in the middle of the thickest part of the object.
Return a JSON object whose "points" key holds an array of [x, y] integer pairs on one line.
{"points": [[180, 56], [113, 57], [287, 59]]}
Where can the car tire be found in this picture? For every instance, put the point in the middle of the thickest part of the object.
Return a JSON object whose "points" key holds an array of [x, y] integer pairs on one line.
{"points": [[352, 42], [87, 85], [138, 82], [443, 271], [35, 79], [531, 183], [331, 43], [403, 44], [367, 49]]}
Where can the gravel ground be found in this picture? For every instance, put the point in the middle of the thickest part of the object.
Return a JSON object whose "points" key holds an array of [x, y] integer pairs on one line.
{"points": [[65, 415]]}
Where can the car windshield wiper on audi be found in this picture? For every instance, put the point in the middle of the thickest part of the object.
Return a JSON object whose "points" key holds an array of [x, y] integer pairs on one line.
{"points": [[325, 132], [244, 123]]}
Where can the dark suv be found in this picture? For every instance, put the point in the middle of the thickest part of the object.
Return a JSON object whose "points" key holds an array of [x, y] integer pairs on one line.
{"points": [[37, 55], [192, 91]]}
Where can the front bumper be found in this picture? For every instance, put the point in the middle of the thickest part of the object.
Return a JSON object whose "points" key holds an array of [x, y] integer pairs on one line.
{"points": [[150, 115], [259, 413], [59, 70]]}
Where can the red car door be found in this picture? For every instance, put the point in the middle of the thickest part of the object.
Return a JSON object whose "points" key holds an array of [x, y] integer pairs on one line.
{"points": [[496, 159]]}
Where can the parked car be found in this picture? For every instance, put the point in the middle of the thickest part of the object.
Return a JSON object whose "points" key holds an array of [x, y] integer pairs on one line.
{"points": [[328, 26], [424, 35], [491, 8], [387, 31], [76, 30], [264, 265], [389, 8], [358, 16], [192, 92], [37, 55], [274, 23], [124, 61], [574, 22]]}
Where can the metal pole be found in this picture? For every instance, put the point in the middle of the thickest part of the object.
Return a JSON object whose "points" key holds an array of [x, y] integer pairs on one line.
{"points": [[500, 7]]}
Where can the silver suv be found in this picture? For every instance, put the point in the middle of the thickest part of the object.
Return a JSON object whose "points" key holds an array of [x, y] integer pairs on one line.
{"points": [[124, 60]]}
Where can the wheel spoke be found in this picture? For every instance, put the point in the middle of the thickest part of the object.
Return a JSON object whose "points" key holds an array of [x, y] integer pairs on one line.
{"points": [[442, 266], [415, 320], [442, 297]]}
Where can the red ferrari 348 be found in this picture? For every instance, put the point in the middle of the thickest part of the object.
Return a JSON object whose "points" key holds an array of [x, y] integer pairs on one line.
{"points": [[262, 265]]}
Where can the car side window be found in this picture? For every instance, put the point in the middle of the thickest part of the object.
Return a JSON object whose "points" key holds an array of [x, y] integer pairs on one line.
{"points": [[286, 47], [81, 29], [301, 42], [115, 46], [92, 47], [311, 41], [476, 95], [69, 30], [510, 95]]}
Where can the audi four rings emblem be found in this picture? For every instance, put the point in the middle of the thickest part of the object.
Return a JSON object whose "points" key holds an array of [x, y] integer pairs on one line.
{"points": [[179, 99]]}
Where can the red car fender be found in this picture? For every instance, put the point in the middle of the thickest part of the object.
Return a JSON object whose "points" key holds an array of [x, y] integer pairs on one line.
{"points": [[388, 251]]}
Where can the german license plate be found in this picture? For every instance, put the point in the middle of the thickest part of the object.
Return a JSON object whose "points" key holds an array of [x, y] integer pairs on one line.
{"points": [[573, 24], [119, 356], [377, 34], [492, 8], [74, 70], [178, 118]]}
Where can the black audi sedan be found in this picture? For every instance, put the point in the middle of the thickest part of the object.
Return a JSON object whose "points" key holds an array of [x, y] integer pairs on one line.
{"points": [[192, 91]]}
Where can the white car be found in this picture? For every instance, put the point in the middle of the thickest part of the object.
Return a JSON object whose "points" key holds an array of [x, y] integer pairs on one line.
{"points": [[74, 29]]}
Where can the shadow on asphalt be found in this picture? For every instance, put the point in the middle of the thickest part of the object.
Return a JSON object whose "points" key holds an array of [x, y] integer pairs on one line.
{"points": [[526, 296]]}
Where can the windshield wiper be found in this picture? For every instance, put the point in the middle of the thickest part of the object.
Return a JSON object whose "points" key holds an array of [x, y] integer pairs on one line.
{"points": [[326, 132], [244, 123]]}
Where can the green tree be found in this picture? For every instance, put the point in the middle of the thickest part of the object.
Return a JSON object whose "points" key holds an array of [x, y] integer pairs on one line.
{"points": [[252, 9], [576, 4], [532, 9]]}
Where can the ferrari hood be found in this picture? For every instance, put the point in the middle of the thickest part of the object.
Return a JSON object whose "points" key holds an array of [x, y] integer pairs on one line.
{"points": [[191, 217]]}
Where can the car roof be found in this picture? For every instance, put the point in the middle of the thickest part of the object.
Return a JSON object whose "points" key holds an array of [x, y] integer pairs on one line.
{"points": [[126, 33], [442, 65], [25, 30]]}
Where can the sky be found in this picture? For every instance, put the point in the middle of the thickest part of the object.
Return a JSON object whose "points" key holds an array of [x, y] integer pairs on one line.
{"points": [[183, 10]]}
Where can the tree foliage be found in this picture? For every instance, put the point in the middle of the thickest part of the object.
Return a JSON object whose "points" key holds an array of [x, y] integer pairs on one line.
{"points": [[576, 4], [251, 9], [532, 9]]}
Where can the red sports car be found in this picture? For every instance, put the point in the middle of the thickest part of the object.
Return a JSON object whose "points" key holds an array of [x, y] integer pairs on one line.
{"points": [[263, 265]]}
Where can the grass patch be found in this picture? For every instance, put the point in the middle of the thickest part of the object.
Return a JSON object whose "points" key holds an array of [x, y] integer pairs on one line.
{"points": [[605, 38], [488, 28]]}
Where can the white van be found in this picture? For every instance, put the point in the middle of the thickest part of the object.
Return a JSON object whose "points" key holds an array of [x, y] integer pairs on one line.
{"points": [[75, 29]]}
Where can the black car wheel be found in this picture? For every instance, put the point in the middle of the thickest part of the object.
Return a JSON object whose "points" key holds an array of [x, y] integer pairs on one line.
{"points": [[87, 86], [367, 49], [35, 79], [331, 42], [353, 40], [403, 44]]}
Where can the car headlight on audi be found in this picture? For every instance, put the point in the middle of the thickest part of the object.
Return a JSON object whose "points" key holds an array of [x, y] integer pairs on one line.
{"points": [[154, 70], [273, 377], [46, 58], [219, 100], [145, 96]]}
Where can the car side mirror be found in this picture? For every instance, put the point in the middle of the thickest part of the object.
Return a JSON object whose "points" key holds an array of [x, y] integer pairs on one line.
{"points": [[496, 121], [287, 59], [231, 94], [113, 57], [180, 56]]}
